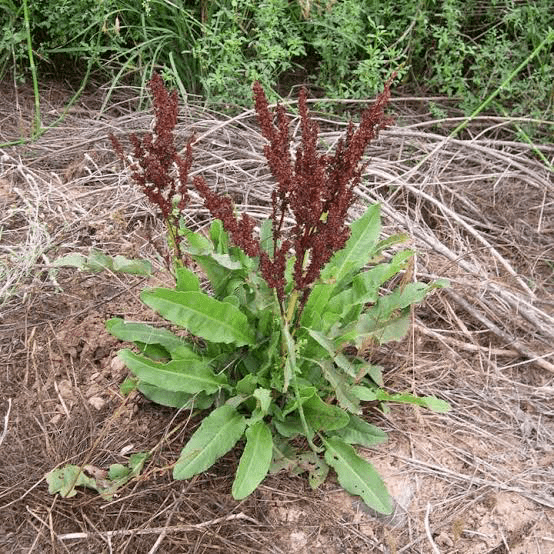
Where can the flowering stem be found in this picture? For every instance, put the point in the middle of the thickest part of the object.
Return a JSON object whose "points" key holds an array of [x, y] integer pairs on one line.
{"points": [[172, 234], [290, 360], [291, 307]]}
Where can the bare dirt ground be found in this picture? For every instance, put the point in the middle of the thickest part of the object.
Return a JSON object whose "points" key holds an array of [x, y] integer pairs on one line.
{"points": [[480, 211]]}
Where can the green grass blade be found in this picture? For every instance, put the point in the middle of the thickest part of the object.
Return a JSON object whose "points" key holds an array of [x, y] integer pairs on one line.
{"points": [[37, 123]]}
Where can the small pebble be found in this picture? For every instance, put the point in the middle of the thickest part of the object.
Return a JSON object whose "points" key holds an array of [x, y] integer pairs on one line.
{"points": [[117, 365], [97, 402], [444, 540]]}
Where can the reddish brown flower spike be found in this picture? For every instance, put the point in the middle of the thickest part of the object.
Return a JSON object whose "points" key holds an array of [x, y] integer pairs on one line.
{"points": [[318, 189], [156, 156]]}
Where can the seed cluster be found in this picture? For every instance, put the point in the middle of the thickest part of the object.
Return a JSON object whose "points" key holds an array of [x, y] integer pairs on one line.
{"points": [[318, 189]]}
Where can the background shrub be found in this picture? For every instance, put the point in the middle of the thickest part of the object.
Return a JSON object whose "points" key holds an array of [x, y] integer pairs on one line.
{"points": [[340, 48]]}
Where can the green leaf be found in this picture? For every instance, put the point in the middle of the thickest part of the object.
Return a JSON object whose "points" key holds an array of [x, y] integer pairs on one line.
{"points": [[375, 372], [219, 236], [393, 329], [356, 475], [134, 267], [371, 326], [175, 399], [188, 376], [318, 474], [361, 432], [71, 260], [284, 456], [388, 319], [430, 402], [128, 386], [197, 244], [400, 298], [218, 275], [339, 358], [358, 250], [291, 427], [255, 460], [237, 400], [186, 280], [388, 242], [364, 393], [359, 247], [305, 393], [98, 261], [341, 387], [153, 352], [322, 416], [226, 262], [232, 300], [202, 315], [266, 237], [118, 471], [263, 396], [247, 385], [217, 434], [290, 359], [436, 404], [316, 467], [365, 286], [317, 305], [146, 334], [65, 479], [137, 460], [123, 473]]}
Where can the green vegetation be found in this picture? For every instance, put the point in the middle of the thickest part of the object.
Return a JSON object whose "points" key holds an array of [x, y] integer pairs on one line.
{"points": [[345, 48], [274, 348]]}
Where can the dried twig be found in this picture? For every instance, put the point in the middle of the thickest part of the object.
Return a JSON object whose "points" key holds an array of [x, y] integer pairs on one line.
{"points": [[515, 343], [6, 420], [428, 529], [158, 530]]}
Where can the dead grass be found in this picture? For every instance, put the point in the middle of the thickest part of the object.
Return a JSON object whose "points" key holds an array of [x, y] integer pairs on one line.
{"points": [[480, 211]]}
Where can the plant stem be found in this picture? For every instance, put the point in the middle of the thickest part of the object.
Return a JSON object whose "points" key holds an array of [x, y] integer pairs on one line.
{"points": [[291, 306], [55, 123], [291, 356], [549, 38], [528, 140], [36, 119]]}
